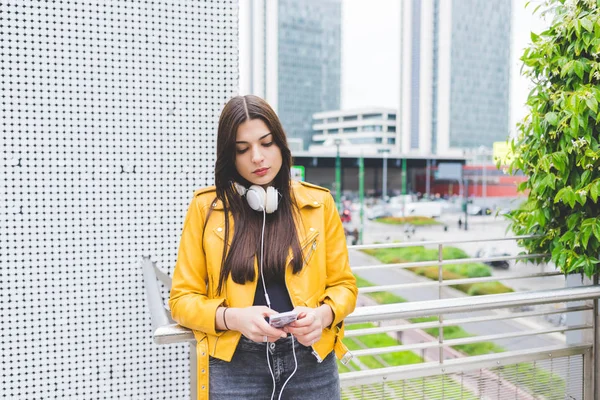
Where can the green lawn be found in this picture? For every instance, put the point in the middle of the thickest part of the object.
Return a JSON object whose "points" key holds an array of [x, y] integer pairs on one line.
{"points": [[449, 272]]}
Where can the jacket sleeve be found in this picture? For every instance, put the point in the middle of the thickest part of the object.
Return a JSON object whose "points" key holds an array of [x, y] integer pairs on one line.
{"points": [[340, 291], [190, 306]]}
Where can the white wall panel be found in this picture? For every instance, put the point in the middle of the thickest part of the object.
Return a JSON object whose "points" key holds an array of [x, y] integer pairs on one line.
{"points": [[108, 116]]}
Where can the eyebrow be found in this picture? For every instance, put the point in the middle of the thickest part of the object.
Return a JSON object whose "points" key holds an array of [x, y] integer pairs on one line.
{"points": [[260, 138]]}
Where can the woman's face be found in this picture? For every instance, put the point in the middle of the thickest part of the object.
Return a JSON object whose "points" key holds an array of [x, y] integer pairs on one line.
{"points": [[257, 157]]}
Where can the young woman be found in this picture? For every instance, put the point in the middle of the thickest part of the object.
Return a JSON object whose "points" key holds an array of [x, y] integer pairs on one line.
{"points": [[254, 245]]}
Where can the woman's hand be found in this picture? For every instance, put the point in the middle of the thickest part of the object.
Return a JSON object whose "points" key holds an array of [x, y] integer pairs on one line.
{"points": [[310, 324], [250, 321]]}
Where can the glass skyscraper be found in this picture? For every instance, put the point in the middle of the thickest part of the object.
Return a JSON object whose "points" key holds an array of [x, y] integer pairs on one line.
{"points": [[480, 71], [455, 73], [309, 66]]}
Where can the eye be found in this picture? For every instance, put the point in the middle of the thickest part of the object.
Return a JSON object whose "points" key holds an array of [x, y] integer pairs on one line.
{"points": [[241, 151], [268, 144]]}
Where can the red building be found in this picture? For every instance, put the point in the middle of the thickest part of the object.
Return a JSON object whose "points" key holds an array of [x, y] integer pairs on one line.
{"points": [[483, 181]]}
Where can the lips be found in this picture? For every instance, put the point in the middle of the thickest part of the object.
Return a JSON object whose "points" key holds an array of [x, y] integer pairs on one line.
{"points": [[261, 171]]}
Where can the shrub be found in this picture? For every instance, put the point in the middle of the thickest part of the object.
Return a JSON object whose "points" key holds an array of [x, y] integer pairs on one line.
{"points": [[557, 144]]}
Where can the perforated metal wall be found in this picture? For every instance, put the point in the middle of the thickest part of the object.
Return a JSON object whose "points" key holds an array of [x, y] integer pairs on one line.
{"points": [[109, 110]]}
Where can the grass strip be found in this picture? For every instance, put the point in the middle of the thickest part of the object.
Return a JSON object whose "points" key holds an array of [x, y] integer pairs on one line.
{"points": [[417, 221]]}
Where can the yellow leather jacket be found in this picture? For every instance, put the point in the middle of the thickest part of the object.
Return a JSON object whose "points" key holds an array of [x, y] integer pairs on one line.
{"points": [[325, 278]]}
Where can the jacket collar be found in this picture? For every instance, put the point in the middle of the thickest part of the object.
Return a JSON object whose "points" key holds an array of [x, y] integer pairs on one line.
{"points": [[301, 194]]}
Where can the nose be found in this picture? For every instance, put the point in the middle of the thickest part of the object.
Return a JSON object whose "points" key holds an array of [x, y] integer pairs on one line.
{"points": [[257, 156]]}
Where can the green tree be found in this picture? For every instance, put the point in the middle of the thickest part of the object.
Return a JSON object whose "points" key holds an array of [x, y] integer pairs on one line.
{"points": [[557, 144]]}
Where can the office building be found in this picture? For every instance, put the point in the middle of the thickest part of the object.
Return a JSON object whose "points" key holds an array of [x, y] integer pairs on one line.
{"points": [[363, 131], [290, 54], [455, 70]]}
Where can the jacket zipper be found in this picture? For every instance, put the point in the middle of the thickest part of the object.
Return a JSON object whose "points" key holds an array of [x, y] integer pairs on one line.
{"points": [[313, 247]]}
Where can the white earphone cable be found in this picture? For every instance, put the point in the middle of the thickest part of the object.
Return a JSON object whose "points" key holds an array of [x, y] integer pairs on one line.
{"points": [[262, 277], [295, 368], [262, 247]]}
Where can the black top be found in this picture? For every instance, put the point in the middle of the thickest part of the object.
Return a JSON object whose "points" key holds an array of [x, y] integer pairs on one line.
{"points": [[278, 294]]}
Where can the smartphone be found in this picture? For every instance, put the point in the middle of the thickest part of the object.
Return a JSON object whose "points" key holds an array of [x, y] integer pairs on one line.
{"points": [[282, 319]]}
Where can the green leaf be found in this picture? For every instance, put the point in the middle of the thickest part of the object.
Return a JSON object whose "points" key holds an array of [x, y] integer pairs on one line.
{"points": [[566, 69], [578, 67], [566, 195], [552, 118], [585, 177], [586, 229], [588, 268], [592, 103], [574, 124], [593, 190], [587, 24], [596, 230], [550, 180], [559, 159], [572, 102], [534, 37], [573, 220], [580, 198], [567, 237], [522, 186], [585, 236]]}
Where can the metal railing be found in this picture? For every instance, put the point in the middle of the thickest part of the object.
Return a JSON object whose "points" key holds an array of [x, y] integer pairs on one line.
{"points": [[570, 365]]}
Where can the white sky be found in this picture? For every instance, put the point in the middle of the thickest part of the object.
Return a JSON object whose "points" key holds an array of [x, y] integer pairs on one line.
{"points": [[371, 54]]}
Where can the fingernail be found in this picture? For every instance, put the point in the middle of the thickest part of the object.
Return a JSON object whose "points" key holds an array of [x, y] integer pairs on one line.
{"points": [[283, 336]]}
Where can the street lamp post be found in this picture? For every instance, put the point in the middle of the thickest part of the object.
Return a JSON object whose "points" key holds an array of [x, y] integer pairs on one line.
{"points": [[338, 176], [384, 184], [361, 191]]}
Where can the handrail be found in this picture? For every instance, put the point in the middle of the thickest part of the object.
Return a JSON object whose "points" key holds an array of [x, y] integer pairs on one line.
{"points": [[437, 242], [419, 264], [174, 333], [457, 364], [158, 314], [451, 282], [465, 340], [459, 321], [464, 304]]}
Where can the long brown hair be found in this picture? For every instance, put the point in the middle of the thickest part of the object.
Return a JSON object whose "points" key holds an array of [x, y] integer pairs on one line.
{"points": [[245, 244]]}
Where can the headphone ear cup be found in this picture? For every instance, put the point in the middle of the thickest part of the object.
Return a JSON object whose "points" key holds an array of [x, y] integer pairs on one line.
{"points": [[272, 200], [256, 198], [239, 188]]}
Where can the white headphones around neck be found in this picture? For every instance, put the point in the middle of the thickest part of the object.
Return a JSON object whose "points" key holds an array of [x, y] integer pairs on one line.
{"points": [[259, 198]]}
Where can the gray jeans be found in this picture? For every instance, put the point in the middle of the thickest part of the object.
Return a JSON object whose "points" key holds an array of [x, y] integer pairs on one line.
{"points": [[247, 376]]}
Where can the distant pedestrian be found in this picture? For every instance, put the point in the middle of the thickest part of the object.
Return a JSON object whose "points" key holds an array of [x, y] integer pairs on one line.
{"points": [[459, 223]]}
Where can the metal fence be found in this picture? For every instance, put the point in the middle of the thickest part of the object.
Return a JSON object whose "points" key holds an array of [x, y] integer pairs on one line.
{"points": [[441, 365]]}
